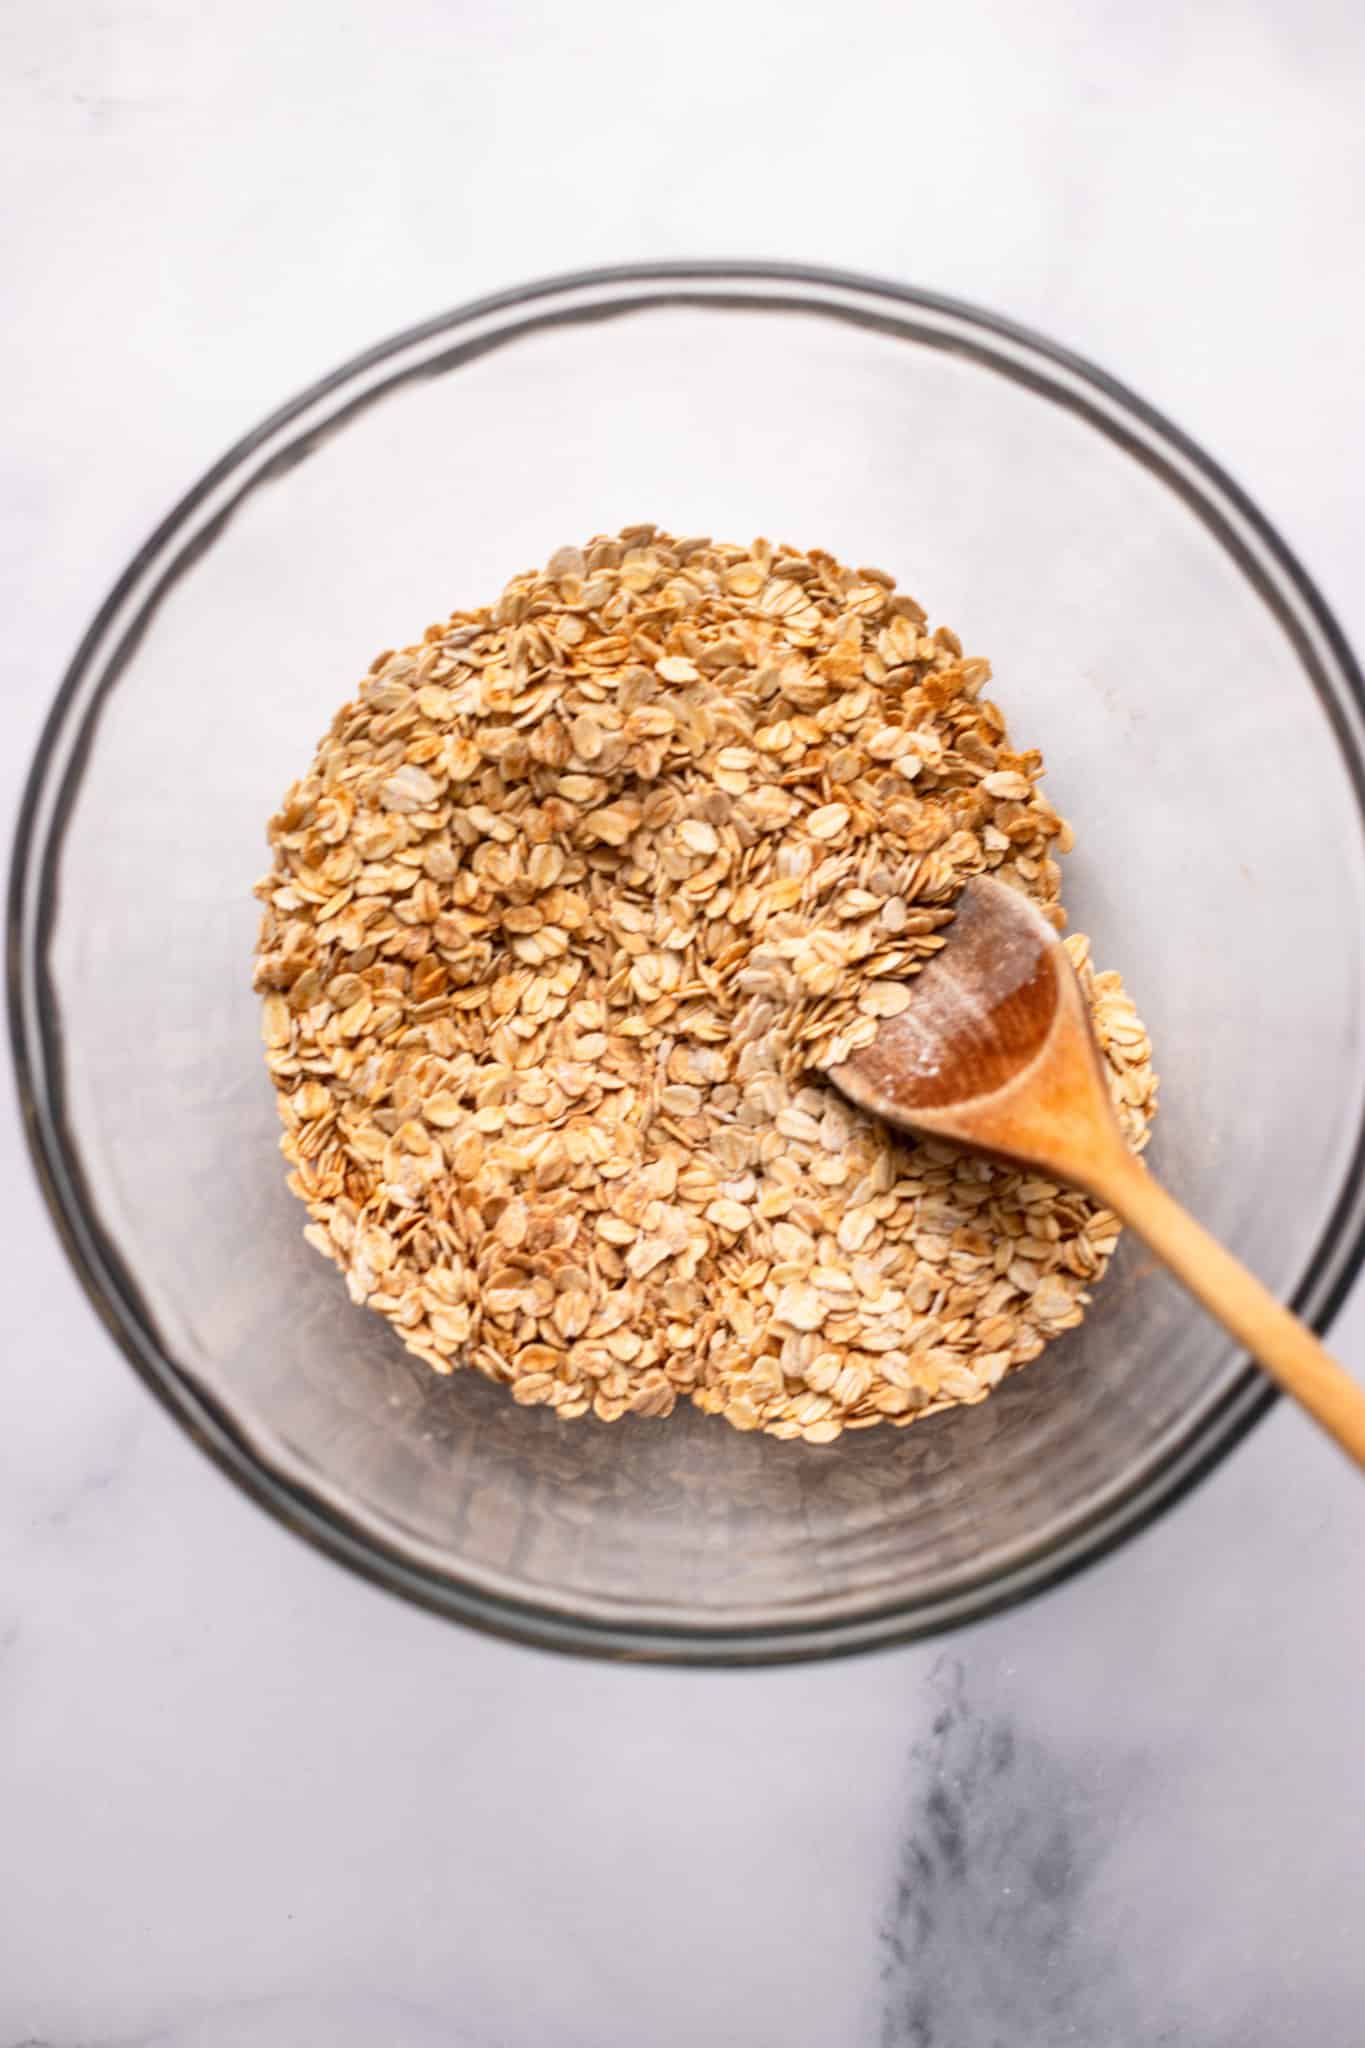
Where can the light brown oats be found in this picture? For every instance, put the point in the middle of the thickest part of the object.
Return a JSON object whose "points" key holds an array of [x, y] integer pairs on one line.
{"points": [[580, 895]]}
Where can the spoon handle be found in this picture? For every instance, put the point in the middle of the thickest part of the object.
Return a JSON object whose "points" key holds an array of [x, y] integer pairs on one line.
{"points": [[1288, 1350]]}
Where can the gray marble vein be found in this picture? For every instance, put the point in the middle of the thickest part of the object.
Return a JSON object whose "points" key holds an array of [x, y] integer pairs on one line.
{"points": [[989, 1937]]}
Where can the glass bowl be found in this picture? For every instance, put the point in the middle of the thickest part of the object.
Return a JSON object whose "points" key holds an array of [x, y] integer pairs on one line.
{"points": [[1202, 722]]}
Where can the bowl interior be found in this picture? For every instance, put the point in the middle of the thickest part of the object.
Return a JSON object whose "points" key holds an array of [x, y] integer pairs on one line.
{"points": [[1199, 735]]}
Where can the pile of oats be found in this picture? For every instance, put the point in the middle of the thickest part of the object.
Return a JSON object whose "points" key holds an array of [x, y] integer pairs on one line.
{"points": [[578, 898]]}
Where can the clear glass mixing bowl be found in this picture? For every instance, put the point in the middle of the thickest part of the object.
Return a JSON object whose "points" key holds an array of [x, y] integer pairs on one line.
{"points": [[1202, 721]]}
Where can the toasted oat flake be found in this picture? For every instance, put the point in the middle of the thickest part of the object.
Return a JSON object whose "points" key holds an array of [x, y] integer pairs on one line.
{"points": [[580, 895]]}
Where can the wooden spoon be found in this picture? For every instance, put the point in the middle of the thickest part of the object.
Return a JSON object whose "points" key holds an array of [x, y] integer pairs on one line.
{"points": [[995, 1052]]}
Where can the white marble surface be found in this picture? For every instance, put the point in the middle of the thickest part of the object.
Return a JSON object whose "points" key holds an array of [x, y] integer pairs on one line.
{"points": [[246, 1802]]}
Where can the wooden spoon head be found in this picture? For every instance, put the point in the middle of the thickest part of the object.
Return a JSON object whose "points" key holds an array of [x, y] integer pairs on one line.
{"points": [[995, 1049]]}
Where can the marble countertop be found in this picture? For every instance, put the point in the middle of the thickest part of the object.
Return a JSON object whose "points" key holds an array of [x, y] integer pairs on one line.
{"points": [[249, 1802]]}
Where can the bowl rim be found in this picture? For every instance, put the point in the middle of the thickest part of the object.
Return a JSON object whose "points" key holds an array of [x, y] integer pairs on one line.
{"points": [[995, 341]]}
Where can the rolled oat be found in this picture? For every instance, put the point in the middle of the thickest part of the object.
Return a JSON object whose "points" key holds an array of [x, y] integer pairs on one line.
{"points": [[580, 895]]}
